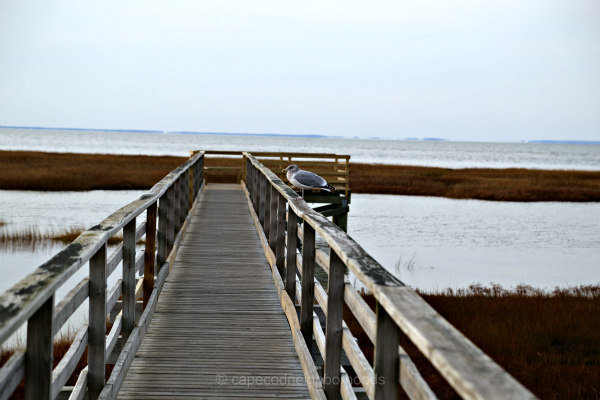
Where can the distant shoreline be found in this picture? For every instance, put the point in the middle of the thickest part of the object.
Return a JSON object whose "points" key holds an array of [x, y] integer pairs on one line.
{"points": [[287, 135], [29, 170]]}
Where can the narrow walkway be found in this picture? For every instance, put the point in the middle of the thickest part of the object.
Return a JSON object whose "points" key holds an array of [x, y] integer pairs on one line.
{"points": [[219, 330]]}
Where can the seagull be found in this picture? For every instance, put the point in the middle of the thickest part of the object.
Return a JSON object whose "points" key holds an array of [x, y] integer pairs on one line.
{"points": [[306, 179]]}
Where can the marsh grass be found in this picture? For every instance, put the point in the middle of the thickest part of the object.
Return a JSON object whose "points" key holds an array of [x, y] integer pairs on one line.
{"points": [[32, 238], [25, 170], [512, 184], [29, 170], [61, 346], [549, 341]]}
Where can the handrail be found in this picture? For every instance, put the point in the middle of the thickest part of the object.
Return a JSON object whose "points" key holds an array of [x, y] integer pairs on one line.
{"points": [[333, 167], [399, 308], [32, 299]]}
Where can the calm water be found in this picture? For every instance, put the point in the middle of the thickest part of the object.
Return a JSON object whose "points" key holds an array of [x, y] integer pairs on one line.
{"points": [[430, 243], [436, 243], [443, 154]]}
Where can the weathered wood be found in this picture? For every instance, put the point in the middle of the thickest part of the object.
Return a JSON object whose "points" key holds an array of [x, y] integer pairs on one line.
{"points": [[171, 218], [474, 378], [140, 231], [267, 197], [346, 389], [359, 362], [114, 259], [23, 299], [11, 373], [260, 194], [163, 226], [150, 248], [333, 332], [97, 323], [465, 367], [139, 262], [79, 392], [410, 379], [386, 356], [192, 327], [272, 236], [280, 238], [129, 280], [67, 365], [308, 367], [291, 245], [308, 296], [183, 208], [113, 295], [113, 335], [176, 213], [38, 357], [69, 304]]}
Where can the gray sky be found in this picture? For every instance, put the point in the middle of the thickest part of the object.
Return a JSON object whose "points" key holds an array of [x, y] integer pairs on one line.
{"points": [[504, 70]]}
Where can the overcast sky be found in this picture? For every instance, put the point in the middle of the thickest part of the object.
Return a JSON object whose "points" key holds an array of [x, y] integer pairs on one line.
{"points": [[504, 70]]}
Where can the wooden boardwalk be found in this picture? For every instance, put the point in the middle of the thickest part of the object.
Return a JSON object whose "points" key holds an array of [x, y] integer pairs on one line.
{"points": [[219, 330]]}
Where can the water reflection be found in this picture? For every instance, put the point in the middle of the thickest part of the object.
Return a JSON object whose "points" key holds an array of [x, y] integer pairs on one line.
{"points": [[435, 243]]}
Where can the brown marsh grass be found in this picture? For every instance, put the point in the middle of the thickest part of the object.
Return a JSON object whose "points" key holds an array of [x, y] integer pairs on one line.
{"points": [[61, 346], [549, 341], [30, 170], [512, 184], [26, 170], [33, 238]]}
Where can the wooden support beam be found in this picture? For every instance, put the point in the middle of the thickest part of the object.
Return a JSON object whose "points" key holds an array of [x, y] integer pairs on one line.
{"points": [[333, 331], [273, 218], [292, 244], [38, 357], [150, 248], [97, 324], [387, 362], [280, 239], [129, 281], [308, 285]]}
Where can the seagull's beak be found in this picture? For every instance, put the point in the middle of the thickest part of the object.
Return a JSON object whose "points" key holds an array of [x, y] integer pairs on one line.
{"points": [[284, 170]]}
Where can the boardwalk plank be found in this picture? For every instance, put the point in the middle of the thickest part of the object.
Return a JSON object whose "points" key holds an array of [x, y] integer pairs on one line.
{"points": [[218, 330]]}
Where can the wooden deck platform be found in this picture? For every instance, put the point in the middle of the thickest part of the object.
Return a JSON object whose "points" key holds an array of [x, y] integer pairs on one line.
{"points": [[219, 330]]}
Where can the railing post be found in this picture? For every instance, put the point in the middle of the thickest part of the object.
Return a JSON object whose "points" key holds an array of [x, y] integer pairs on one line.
{"points": [[274, 218], [308, 285], [280, 240], [176, 187], [183, 209], [267, 195], [292, 244], [261, 199], [38, 358], [201, 172], [129, 299], [150, 248], [255, 179], [171, 219], [386, 361], [97, 324], [333, 331], [163, 206], [195, 180]]}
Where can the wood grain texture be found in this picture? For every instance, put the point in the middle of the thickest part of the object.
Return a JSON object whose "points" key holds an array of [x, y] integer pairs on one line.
{"points": [[218, 313], [38, 358], [23, 299]]}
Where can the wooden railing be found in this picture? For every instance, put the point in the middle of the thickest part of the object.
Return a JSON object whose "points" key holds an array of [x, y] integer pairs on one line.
{"points": [[335, 168], [143, 274], [277, 211]]}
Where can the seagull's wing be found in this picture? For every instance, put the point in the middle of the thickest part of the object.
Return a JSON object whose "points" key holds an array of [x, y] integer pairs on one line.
{"points": [[308, 178]]}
